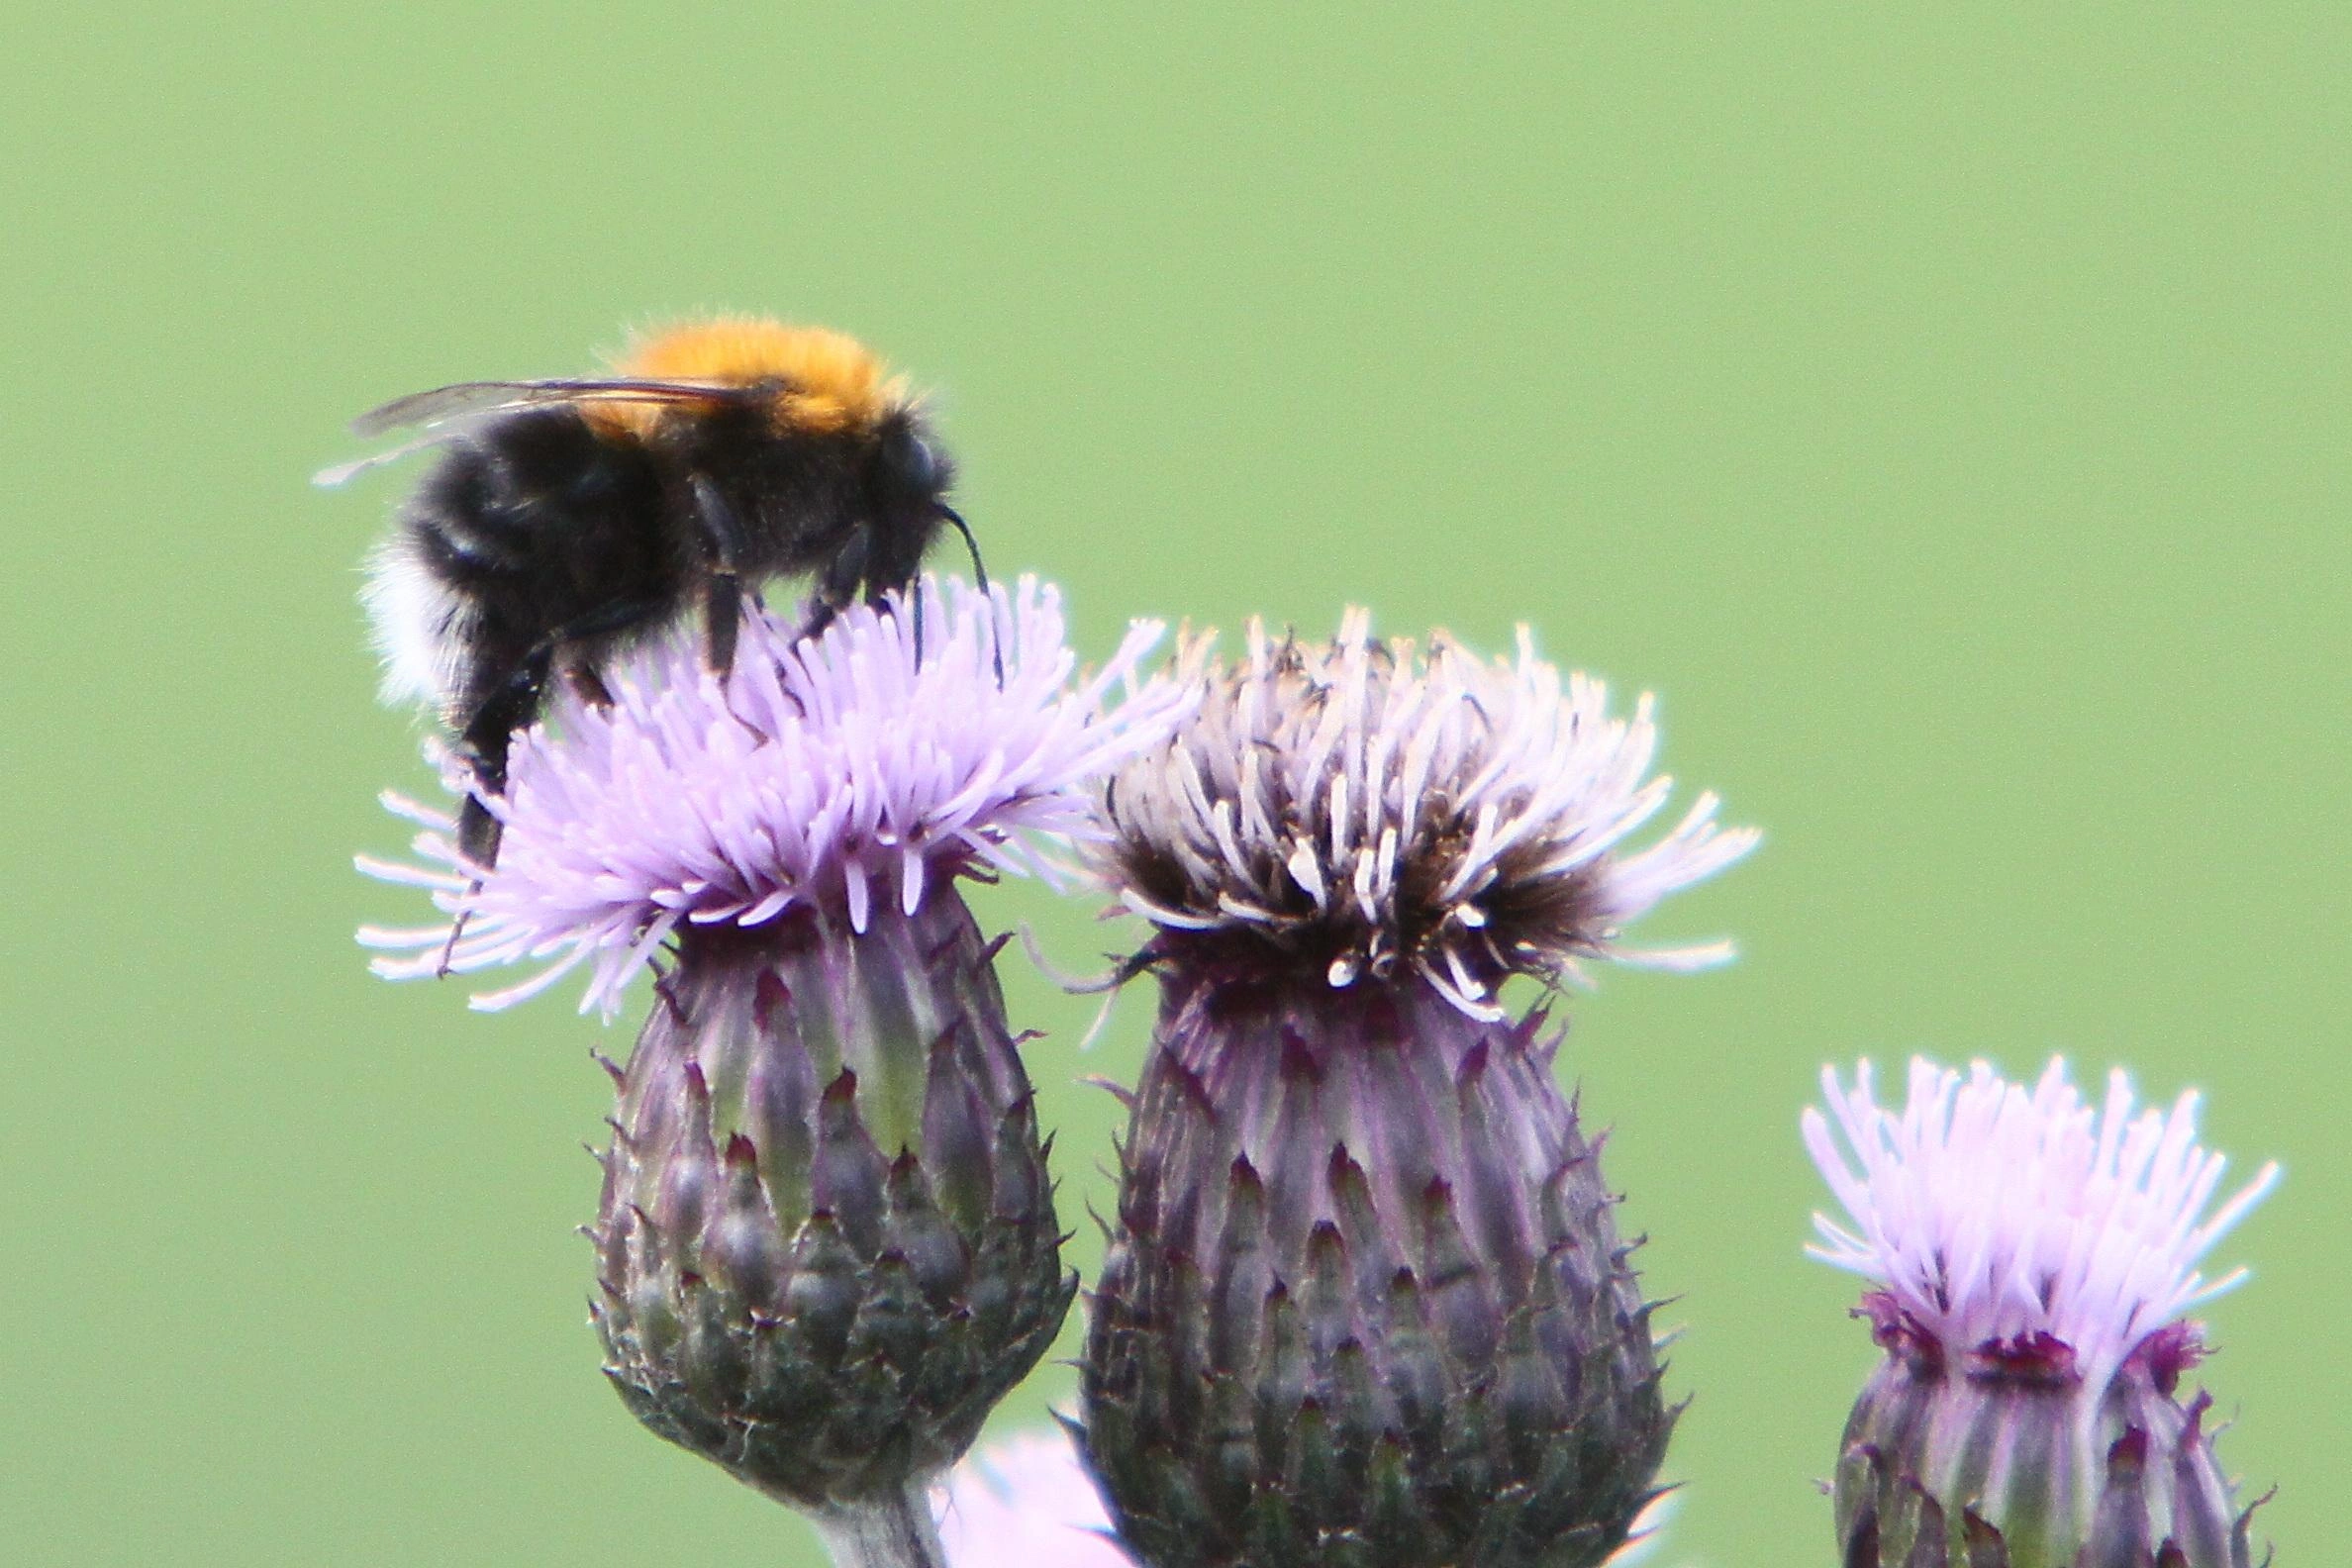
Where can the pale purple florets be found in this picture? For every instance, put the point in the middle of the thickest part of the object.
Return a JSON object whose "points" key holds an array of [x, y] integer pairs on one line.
{"points": [[1026, 1503], [839, 768], [1996, 1214], [1368, 808]]}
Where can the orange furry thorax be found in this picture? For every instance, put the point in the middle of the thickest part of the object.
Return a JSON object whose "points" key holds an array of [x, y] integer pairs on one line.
{"points": [[830, 382]]}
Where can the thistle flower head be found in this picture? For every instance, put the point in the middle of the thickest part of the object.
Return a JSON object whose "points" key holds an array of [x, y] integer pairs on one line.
{"points": [[2007, 1223], [2034, 1257], [860, 764], [1365, 1299], [1366, 809]]}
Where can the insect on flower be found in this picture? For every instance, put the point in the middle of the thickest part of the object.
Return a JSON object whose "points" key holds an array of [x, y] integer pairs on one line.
{"points": [[568, 518], [826, 1244]]}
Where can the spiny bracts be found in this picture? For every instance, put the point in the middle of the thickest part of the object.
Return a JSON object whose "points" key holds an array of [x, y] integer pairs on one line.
{"points": [[2032, 1257], [1366, 1302], [826, 1245]]}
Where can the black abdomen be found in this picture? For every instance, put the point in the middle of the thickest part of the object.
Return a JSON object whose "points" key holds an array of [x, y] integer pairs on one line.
{"points": [[542, 529]]}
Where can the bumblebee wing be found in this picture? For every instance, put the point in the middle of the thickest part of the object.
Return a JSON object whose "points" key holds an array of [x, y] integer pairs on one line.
{"points": [[447, 413], [343, 474], [473, 399]]}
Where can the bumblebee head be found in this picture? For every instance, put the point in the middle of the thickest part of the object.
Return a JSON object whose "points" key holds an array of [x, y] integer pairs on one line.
{"points": [[908, 470]]}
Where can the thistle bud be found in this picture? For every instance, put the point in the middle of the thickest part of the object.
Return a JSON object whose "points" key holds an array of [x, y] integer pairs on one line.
{"points": [[826, 1244], [1366, 1301], [2032, 1260]]}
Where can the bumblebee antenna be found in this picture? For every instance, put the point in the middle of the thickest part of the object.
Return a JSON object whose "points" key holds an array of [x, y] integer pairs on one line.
{"points": [[980, 575], [971, 547]]}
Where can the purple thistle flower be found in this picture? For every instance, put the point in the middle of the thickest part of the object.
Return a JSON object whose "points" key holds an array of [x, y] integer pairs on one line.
{"points": [[1365, 809], [1365, 1302], [843, 768], [826, 1244], [1028, 1503], [2033, 1258]]}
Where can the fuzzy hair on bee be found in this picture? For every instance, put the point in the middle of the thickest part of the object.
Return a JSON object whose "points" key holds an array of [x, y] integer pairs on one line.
{"points": [[563, 519]]}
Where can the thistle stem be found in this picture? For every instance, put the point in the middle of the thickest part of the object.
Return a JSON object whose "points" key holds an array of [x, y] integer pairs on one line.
{"points": [[892, 1532]]}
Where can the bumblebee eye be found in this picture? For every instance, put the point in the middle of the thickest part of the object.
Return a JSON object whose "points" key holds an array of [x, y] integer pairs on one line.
{"points": [[909, 459]]}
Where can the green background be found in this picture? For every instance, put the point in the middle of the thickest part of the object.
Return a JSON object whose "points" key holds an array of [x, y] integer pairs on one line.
{"points": [[1947, 417]]}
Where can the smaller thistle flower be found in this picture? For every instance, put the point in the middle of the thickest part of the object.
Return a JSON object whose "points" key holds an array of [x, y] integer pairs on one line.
{"points": [[826, 1244], [1026, 1503], [2034, 1259], [1365, 1301]]}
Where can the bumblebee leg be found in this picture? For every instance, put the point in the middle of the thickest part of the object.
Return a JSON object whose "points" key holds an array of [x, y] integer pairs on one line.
{"points": [[490, 728], [723, 614], [484, 741], [588, 686], [821, 615], [723, 593], [478, 834], [836, 587], [489, 734]]}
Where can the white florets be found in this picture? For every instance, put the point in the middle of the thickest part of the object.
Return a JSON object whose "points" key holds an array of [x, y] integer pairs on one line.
{"points": [[1995, 1214], [1371, 810], [827, 768], [1025, 1503]]}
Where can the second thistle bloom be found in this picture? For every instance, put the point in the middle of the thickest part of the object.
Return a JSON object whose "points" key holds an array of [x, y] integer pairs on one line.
{"points": [[1366, 1302], [826, 1244], [2033, 1258], [1366, 810]]}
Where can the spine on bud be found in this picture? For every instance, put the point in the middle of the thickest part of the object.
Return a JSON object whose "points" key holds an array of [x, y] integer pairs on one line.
{"points": [[1366, 1302], [826, 1245], [2006, 1460]]}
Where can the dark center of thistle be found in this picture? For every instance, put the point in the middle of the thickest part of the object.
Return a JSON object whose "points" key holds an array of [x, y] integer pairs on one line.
{"points": [[1531, 921], [2031, 1360]]}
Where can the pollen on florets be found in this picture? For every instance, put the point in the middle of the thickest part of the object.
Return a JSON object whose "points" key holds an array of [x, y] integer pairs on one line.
{"points": [[2023, 1234], [866, 762], [1369, 808]]}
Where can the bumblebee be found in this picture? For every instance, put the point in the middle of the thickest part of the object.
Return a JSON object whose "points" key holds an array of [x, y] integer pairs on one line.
{"points": [[566, 518]]}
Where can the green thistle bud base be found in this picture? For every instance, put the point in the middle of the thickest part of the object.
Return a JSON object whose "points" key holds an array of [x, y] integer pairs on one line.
{"points": [[1941, 1466], [826, 1246], [1366, 1304]]}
